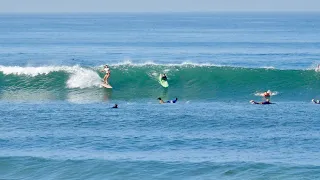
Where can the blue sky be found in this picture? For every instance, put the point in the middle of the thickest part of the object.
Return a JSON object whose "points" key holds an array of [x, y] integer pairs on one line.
{"points": [[52, 6]]}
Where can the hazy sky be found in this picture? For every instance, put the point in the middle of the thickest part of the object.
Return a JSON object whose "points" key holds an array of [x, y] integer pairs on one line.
{"points": [[9, 6]]}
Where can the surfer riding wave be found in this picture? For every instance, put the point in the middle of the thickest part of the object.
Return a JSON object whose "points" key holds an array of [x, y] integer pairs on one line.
{"points": [[106, 69]]}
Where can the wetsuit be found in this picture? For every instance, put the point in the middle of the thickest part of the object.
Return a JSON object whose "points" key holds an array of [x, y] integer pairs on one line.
{"points": [[172, 101], [266, 102], [164, 78]]}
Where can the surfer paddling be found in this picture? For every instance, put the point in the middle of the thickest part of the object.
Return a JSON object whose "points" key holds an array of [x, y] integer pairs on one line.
{"points": [[171, 101], [106, 69], [264, 102], [267, 95]]}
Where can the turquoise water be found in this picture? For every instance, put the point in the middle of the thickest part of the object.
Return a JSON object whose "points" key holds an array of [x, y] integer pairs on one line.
{"points": [[57, 122]]}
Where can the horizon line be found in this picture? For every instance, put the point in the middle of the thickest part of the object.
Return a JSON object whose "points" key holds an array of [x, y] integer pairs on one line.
{"points": [[166, 12]]}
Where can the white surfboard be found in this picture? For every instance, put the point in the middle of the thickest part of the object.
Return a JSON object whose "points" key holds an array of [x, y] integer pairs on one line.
{"points": [[106, 85]]}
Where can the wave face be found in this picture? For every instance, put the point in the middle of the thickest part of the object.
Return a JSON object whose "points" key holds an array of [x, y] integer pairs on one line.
{"points": [[139, 81]]}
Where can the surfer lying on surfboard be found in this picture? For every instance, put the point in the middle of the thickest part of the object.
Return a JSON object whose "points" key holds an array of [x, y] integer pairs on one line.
{"points": [[267, 101], [106, 69], [171, 101]]}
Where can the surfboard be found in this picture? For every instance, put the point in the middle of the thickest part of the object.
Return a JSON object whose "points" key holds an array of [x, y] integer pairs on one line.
{"points": [[106, 85], [254, 102], [163, 82]]}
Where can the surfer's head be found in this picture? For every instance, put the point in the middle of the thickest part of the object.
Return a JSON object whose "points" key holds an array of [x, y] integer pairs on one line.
{"points": [[106, 66], [159, 98]]}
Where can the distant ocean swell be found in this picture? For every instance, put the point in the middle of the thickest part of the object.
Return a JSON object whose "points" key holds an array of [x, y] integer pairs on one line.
{"points": [[132, 81], [39, 168]]}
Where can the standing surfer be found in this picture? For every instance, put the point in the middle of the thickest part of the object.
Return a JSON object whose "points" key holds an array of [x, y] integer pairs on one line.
{"points": [[106, 69], [164, 77], [163, 80]]}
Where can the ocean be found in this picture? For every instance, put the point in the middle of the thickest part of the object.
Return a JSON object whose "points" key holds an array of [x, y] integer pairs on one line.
{"points": [[56, 121]]}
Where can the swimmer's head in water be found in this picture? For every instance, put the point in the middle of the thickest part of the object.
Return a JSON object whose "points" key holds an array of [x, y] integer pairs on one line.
{"points": [[159, 98]]}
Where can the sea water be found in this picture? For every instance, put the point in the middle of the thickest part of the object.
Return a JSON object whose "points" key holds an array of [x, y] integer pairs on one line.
{"points": [[56, 122]]}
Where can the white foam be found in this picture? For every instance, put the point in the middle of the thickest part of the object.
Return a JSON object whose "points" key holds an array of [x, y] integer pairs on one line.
{"points": [[272, 93], [154, 74], [315, 66], [83, 78], [187, 63], [268, 67], [29, 71], [79, 77], [35, 71]]}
